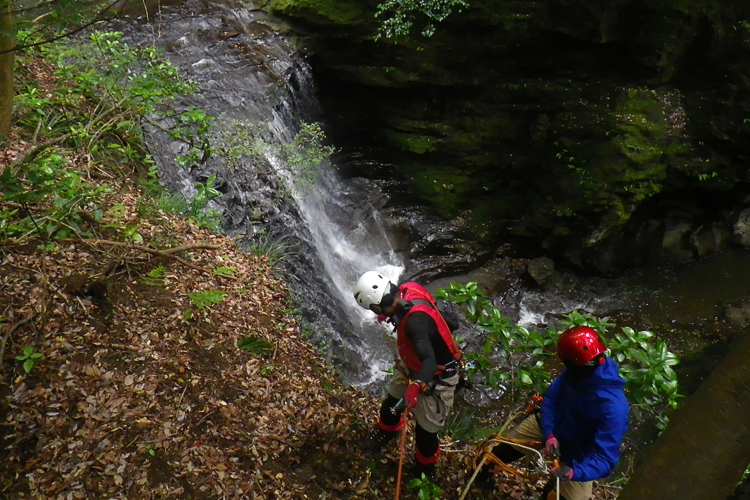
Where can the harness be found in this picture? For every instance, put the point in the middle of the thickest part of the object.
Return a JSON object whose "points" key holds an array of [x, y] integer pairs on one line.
{"points": [[419, 300]]}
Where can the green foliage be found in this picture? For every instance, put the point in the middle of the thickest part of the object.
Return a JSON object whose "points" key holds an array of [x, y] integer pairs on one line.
{"points": [[275, 249], [400, 16], [155, 277], [515, 357], [198, 207], [108, 89], [244, 142], [468, 296], [206, 298], [426, 489], [585, 179], [705, 177], [224, 271], [193, 127], [460, 424], [646, 364], [30, 358], [57, 202], [255, 345]]}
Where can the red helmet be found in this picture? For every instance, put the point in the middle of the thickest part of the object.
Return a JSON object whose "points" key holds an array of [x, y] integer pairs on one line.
{"points": [[580, 345]]}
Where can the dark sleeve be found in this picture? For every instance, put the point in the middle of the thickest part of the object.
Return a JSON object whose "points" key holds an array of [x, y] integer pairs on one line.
{"points": [[420, 328]]}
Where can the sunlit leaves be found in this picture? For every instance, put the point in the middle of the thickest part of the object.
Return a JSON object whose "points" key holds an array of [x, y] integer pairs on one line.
{"points": [[513, 357], [399, 16]]}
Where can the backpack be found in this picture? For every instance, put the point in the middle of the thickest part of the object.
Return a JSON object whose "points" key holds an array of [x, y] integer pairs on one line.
{"points": [[449, 312]]}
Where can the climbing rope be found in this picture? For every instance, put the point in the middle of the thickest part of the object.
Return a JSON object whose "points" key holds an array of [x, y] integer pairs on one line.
{"points": [[402, 452], [484, 455]]}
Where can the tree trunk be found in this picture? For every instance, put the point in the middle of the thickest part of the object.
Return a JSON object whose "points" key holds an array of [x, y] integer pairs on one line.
{"points": [[706, 447], [7, 54]]}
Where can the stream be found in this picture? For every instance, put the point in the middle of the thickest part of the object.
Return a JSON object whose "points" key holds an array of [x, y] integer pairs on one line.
{"points": [[337, 228]]}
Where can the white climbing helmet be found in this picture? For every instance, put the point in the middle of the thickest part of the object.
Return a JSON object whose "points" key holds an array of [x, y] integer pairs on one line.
{"points": [[370, 289]]}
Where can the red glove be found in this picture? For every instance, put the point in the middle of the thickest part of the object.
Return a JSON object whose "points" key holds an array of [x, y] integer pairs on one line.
{"points": [[563, 472], [551, 446], [382, 318], [411, 395]]}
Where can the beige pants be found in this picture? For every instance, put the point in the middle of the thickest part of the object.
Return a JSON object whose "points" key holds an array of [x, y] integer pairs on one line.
{"points": [[528, 430], [432, 407]]}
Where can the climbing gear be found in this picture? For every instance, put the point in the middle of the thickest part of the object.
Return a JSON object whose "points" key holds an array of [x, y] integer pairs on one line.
{"points": [[579, 346], [421, 301], [401, 453], [370, 289], [484, 455], [395, 408], [535, 404], [555, 465]]}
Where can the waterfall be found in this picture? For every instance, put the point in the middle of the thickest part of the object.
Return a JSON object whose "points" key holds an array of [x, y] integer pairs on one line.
{"points": [[246, 71]]}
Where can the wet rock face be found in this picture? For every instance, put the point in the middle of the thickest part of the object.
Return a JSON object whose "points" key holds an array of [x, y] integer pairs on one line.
{"points": [[568, 128]]}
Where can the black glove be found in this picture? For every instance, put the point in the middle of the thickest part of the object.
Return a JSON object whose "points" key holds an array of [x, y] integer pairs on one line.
{"points": [[564, 473]]}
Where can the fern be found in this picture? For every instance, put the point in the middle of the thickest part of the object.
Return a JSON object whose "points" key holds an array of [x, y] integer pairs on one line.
{"points": [[205, 299], [255, 345], [224, 271], [155, 277]]}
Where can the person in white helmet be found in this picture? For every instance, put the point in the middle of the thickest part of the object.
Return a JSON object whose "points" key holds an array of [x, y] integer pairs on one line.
{"points": [[426, 374]]}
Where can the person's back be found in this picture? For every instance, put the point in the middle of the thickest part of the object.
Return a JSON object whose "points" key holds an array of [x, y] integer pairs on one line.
{"points": [[588, 416]]}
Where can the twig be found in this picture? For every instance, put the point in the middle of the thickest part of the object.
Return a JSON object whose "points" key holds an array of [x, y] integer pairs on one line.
{"points": [[202, 419], [168, 253], [477, 469], [10, 331], [34, 150]]}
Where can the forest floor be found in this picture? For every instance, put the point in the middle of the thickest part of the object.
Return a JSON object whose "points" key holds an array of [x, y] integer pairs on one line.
{"points": [[140, 390], [121, 375]]}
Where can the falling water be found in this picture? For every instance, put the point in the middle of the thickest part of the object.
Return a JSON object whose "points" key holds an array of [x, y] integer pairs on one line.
{"points": [[246, 71]]}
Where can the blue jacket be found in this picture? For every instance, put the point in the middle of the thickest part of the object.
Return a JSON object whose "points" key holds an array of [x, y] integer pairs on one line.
{"points": [[589, 418]]}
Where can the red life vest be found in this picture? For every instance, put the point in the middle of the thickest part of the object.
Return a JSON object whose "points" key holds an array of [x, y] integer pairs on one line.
{"points": [[406, 350]]}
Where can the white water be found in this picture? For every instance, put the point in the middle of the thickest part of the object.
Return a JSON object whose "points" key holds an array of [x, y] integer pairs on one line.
{"points": [[258, 77], [350, 238]]}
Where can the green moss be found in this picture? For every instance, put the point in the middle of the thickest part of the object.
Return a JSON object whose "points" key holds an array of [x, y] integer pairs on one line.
{"points": [[415, 143], [639, 148], [321, 11], [445, 189]]}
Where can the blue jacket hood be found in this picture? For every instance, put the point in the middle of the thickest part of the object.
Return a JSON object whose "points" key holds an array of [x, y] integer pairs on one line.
{"points": [[606, 375], [589, 418]]}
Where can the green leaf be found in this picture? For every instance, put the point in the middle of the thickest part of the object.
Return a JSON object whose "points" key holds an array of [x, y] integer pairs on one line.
{"points": [[255, 345], [206, 298]]}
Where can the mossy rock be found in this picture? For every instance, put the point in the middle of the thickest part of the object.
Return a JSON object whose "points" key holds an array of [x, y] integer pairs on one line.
{"points": [[445, 189], [323, 12]]}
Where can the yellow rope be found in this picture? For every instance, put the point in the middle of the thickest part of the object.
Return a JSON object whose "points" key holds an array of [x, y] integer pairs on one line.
{"points": [[484, 452]]}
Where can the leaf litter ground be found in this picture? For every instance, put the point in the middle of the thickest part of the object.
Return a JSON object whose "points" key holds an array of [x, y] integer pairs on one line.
{"points": [[141, 394]]}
